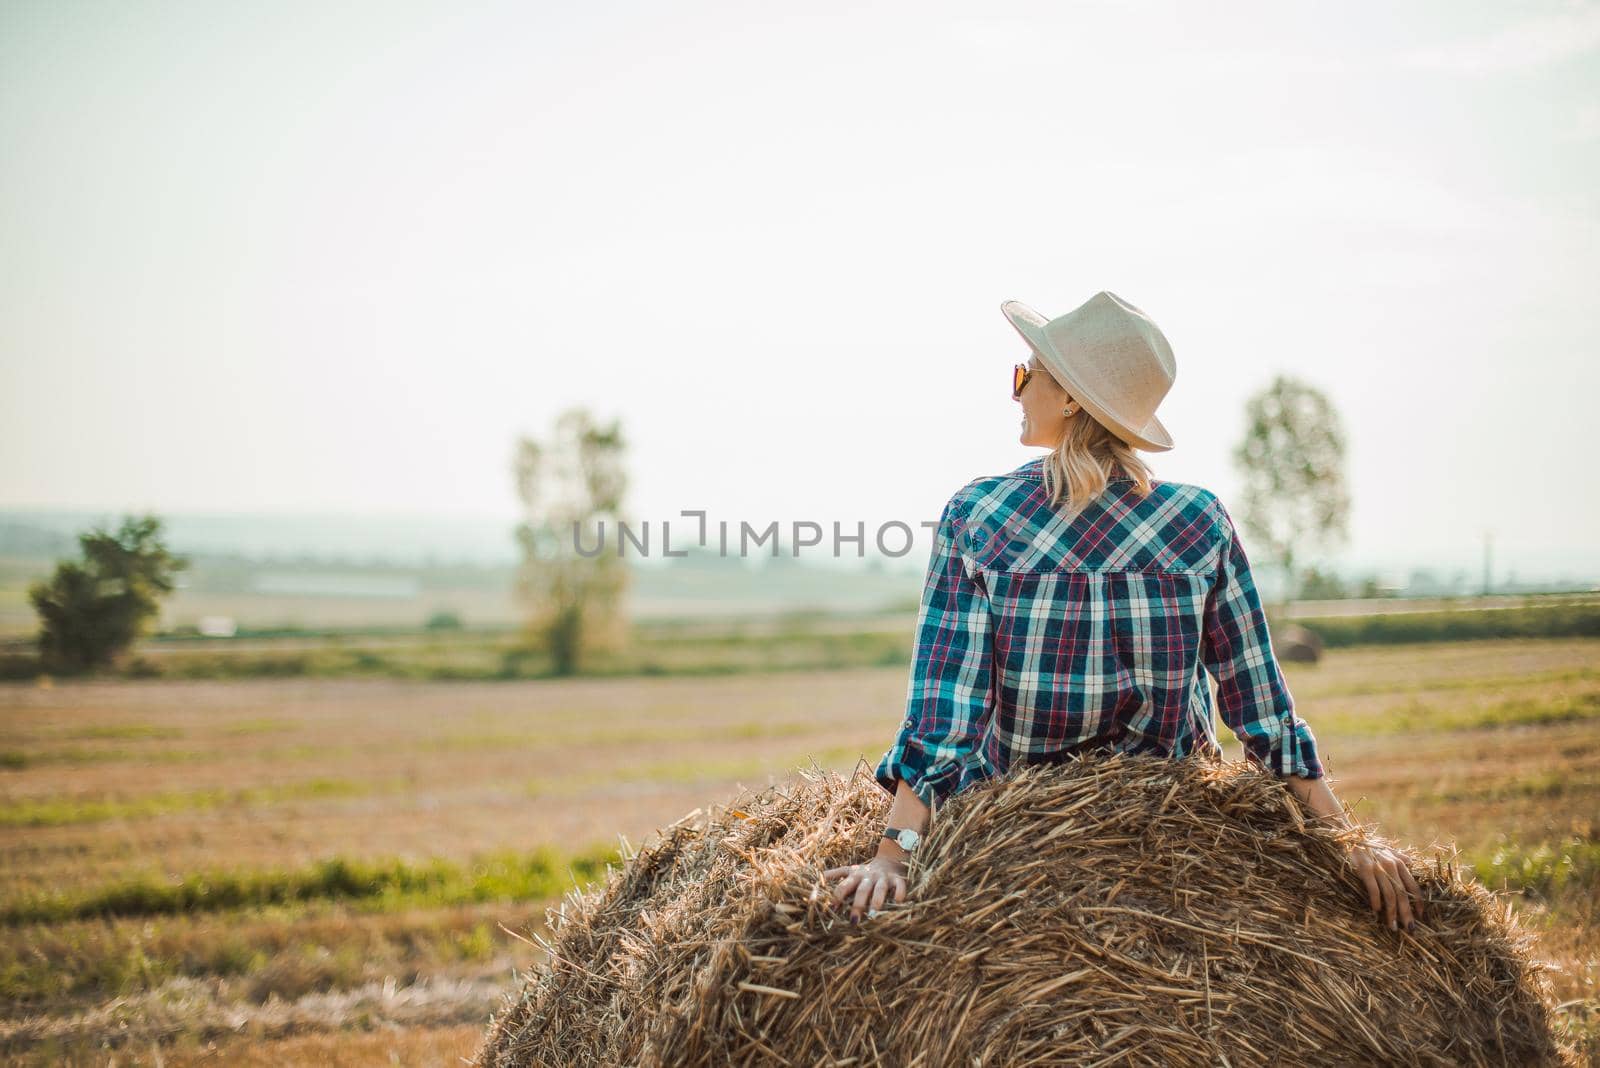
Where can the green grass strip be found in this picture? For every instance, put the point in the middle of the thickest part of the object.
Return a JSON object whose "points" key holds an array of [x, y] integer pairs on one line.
{"points": [[1417, 717], [1548, 871], [381, 884], [1467, 623], [67, 811]]}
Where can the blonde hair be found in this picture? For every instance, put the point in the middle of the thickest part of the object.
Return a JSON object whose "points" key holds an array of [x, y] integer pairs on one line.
{"points": [[1085, 460]]}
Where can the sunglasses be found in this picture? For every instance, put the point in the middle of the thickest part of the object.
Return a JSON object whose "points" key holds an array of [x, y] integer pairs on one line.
{"points": [[1019, 378]]}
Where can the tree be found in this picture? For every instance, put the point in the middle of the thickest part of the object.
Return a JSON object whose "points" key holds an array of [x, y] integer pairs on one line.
{"points": [[1295, 500], [91, 610], [1319, 585], [571, 491]]}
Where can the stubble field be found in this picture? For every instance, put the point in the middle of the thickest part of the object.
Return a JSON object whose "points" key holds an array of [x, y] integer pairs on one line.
{"points": [[323, 871]]}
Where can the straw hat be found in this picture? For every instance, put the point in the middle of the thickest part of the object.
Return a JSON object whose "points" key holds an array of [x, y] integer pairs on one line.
{"points": [[1111, 358]]}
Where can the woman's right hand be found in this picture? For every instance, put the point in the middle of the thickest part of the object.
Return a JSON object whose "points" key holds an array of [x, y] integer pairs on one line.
{"points": [[870, 882]]}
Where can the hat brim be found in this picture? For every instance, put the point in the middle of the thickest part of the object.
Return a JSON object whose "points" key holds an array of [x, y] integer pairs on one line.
{"points": [[1152, 437]]}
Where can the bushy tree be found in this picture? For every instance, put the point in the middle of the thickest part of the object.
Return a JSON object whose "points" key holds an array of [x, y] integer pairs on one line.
{"points": [[1295, 499], [1319, 585], [92, 609], [571, 489]]}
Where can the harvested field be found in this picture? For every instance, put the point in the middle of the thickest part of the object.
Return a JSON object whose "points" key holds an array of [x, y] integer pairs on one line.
{"points": [[129, 791]]}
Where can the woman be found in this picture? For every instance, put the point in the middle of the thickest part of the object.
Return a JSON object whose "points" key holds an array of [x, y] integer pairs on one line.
{"points": [[1070, 603]]}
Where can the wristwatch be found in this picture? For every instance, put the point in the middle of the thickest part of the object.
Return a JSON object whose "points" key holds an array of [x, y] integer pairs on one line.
{"points": [[904, 837]]}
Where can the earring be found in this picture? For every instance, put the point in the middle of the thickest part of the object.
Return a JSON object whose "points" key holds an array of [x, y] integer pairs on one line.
{"points": [[1066, 411]]}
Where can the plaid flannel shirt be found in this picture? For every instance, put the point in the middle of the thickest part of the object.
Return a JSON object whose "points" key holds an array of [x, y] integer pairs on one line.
{"points": [[1037, 637]]}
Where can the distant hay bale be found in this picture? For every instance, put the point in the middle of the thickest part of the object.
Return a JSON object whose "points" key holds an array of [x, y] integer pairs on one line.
{"points": [[1296, 644], [1109, 910]]}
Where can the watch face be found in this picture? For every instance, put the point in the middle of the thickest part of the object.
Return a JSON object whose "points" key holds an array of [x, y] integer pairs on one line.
{"points": [[909, 839]]}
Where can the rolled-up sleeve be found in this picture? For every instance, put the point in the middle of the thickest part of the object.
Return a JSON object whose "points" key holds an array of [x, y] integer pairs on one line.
{"points": [[948, 699], [1252, 694]]}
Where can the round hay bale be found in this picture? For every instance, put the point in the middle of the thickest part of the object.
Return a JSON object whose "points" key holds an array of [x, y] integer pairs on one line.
{"points": [[1117, 910]]}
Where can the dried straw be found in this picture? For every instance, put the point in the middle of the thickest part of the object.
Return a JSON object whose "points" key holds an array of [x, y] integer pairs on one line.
{"points": [[1121, 910]]}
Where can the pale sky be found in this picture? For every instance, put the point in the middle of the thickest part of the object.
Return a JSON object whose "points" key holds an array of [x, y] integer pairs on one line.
{"points": [[273, 257]]}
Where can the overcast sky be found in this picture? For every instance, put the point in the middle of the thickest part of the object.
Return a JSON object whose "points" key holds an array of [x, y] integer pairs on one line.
{"points": [[275, 257]]}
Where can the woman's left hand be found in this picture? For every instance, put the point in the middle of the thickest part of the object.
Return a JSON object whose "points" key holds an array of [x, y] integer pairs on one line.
{"points": [[1391, 889]]}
